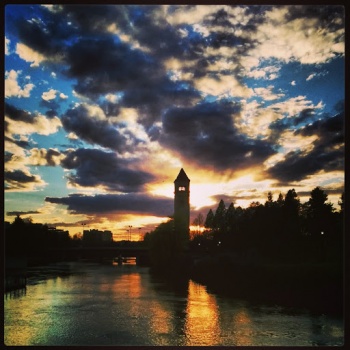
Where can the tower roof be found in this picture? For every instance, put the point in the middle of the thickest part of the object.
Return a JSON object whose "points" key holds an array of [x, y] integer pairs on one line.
{"points": [[182, 176]]}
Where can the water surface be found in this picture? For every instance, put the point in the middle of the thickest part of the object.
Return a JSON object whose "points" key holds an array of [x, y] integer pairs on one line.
{"points": [[94, 304]]}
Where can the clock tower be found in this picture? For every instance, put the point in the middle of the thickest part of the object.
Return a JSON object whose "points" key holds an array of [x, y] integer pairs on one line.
{"points": [[182, 205]]}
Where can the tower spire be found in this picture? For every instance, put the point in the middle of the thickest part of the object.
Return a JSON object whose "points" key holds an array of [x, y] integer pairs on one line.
{"points": [[182, 205], [182, 176]]}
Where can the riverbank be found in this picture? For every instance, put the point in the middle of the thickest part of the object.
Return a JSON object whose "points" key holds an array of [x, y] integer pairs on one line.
{"points": [[315, 286]]}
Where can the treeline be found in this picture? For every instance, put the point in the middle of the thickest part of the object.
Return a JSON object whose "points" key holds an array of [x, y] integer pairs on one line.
{"points": [[22, 236], [283, 229]]}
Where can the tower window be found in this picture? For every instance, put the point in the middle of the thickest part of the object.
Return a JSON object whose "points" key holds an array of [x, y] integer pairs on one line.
{"points": [[181, 188]]}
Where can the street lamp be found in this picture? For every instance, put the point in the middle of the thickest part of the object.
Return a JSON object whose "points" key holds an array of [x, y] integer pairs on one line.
{"points": [[130, 232]]}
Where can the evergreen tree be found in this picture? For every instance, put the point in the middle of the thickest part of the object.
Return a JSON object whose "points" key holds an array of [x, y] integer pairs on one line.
{"points": [[290, 212], [230, 217], [219, 217], [280, 200], [319, 213], [291, 203], [269, 202], [209, 221]]}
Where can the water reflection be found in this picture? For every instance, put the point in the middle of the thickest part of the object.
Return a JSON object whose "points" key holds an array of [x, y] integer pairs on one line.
{"points": [[16, 293], [125, 305], [201, 325]]}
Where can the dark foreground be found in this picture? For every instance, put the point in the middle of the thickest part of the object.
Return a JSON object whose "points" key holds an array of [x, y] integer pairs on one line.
{"points": [[315, 286]]}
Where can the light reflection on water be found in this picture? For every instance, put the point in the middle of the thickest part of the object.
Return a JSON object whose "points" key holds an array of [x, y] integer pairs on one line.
{"points": [[125, 305]]}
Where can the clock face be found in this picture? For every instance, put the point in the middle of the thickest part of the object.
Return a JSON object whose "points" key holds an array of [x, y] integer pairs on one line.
{"points": [[182, 188]]}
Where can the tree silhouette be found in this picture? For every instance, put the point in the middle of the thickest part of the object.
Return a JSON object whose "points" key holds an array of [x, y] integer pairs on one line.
{"points": [[209, 221], [219, 216], [341, 203], [319, 213]]}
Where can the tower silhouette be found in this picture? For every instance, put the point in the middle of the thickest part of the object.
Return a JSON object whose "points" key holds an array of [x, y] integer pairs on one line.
{"points": [[182, 205]]}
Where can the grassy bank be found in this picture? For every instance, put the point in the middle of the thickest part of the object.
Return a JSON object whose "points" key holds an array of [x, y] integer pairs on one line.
{"points": [[316, 286]]}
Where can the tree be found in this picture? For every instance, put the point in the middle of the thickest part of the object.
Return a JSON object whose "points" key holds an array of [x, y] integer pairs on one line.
{"points": [[318, 213], [219, 217], [269, 202], [291, 203], [280, 200], [230, 217], [209, 221], [77, 236], [291, 225], [199, 220], [341, 203], [163, 246]]}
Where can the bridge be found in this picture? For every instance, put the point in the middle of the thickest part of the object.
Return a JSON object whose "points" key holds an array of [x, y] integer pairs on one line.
{"points": [[139, 253]]}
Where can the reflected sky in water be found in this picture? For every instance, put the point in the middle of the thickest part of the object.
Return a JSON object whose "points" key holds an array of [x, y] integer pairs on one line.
{"points": [[125, 305]]}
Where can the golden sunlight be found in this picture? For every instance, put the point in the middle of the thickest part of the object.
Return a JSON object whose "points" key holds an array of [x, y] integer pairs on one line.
{"points": [[202, 323]]}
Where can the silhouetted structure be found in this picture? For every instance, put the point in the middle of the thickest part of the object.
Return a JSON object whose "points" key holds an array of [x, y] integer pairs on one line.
{"points": [[182, 205], [97, 237]]}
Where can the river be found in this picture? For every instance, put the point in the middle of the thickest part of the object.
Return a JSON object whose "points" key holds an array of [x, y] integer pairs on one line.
{"points": [[83, 303]]}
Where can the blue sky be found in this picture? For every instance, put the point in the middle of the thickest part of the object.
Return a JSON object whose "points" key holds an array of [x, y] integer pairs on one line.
{"points": [[104, 104]]}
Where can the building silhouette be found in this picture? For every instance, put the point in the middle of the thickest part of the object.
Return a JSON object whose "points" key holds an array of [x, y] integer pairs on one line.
{"points": [[97, 237], [182, 205]]}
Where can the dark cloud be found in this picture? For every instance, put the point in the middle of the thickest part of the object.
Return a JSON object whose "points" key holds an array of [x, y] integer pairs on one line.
{"points": [[101, 63], [91, 19], [113, 203], [329, 130], [51, 113], [19, 213], [118, 68], [18, 114], [47, 35], [331, 17], [327, 153], [19, 143], [17, 179], [18, 176], [304, 116], [94, 167], [50, 156], [95, 130], [305, 123], [206, 135], [226, 198]]}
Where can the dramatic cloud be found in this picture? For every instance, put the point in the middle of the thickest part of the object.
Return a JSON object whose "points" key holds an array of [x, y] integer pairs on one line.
{"points": [[206, 134], [91, 125], [120, 97], [286, 35], [21, 122], [110, 203], [45, 157], [21, 180], [95, 168], [327, 153]]}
